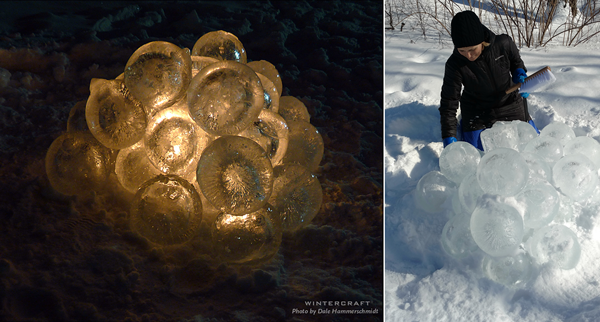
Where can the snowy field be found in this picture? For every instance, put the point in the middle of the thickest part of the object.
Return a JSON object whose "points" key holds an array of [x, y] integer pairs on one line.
{"points": [[423, 283]]}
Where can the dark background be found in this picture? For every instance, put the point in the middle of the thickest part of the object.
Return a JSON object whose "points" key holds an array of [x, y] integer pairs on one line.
{"points": [[75, 259]]}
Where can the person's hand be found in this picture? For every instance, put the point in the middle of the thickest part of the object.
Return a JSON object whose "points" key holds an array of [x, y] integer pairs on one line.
{"points": [[524, 94], [519, 76], [449, 140]]}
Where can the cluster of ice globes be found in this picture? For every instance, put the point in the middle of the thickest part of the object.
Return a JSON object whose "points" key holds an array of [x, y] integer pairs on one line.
{"points": [[193, 133], [511, 200]]}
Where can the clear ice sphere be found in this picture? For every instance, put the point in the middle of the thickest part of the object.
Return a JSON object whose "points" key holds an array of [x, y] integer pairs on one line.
{"points": [[540, 203], [76, 121], [576, 176], [512, 271], [432, 191], [526, 133], [559, 131], [497, 227], [77, 163], [305, 145], [249, 239], [113, 117], [271, 95], [297, 195], [538, 168], [469, 192], [271, 132], [221, 45], [556, 244], [174, 142], [166, 210], [458, 160], [225, 98], [158, 74], [235, 175], [292, 109], [547, 147], [266, 68], [456, 238], [200, 62], [503, 172], [133, 168], [584, 145], [500, 135]]}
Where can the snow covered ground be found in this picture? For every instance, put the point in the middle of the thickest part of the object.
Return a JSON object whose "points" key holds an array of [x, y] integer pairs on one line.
{"points": [[423, 283]]}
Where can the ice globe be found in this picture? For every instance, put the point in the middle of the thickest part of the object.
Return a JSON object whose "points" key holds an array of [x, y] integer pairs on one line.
{"points": [[292, 109], [456, 238], [225, 98], [469, 192], [113, 117], [538, 168], [497, 227], [500, 135], [270, 71], [547, 147], [559, 131], [512, 271], [271, 95], [540, 203], [576, 176], [76, 120], [167, 210], [297, 195], [77, 163], [248, 239], [221, 45], [271, 132], [235, 175], [432, 191], [305, 145], [584, 145], [526, 133], [133, 168], [557, 244], [458, 160], [158, 74], [200, 62], [503, 172]]}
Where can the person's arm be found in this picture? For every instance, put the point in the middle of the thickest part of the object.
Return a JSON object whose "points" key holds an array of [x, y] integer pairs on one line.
{"points": [[450, 97]]}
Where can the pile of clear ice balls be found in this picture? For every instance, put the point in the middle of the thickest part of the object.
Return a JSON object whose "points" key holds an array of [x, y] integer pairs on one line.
{"points": [[509, 200], [197, 136]]}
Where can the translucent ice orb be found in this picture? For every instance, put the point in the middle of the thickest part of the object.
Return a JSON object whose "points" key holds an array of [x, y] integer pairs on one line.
{"points": [[503, 172], [76, 162], [538, 168], [225, 98], [458, 160], [76, 120], [297, 195], [500, 135], [557, 244], [248, 239], [112, 116], [221, 45], [158, 74], [432, 191], [526, 133], [167, 210], [271, 132], [497, 228], [469, 192], [271, 95], [200, 62], [133, 168], [512, 271], [292, 109], [305, 145], [456, 239], [540, 201], [547, 147], [559, 131], [270, 71], [235, 175], [584, 145], [576, 176]]}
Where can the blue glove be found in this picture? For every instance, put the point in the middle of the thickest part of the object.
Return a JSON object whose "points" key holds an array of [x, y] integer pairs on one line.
{"points": [[449, 140], [519, 76], [524, 95]]}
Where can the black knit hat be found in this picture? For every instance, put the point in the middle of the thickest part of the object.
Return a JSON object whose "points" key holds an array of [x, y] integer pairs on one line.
{"points": [[466, 29]]}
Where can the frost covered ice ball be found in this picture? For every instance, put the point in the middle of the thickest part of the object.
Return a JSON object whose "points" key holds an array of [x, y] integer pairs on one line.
{"points": [[500, 135], [547, 147], [270, 71], [235, 175], [458, 160], [76, 162], [584, 145], [292, 109], [576, 176], [469, 192], [538, 168], [456, 238], [432, 191], [513, 271], [497, 228], [247, 239], [297, 195], [305, 145], [133, 168], [225, 98], [503, 172], [167, 210], [221, 45], [559, 131], [113, 117], [158, 74], [526, 133], [557, 244], [540, 203]]}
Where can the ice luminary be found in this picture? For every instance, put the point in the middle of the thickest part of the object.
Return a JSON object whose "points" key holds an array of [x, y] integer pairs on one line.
{"points": [[194, 131]]}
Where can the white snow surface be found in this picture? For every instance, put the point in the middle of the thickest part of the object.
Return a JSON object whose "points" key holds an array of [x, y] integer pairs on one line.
{"points": [[422, 282]]}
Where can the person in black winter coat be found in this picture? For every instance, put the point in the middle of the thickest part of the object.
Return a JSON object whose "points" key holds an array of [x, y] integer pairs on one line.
{"points": [[486, 65]]}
